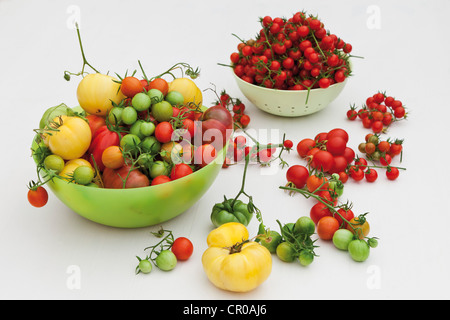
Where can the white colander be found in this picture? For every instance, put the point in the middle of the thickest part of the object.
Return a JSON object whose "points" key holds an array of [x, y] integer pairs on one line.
{"points": [[289, 103]]}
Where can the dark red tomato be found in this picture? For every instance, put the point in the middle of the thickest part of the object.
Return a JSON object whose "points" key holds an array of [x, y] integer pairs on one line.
{"points": [[338, 132], [219, 113], [323, 160], [304, 146], [95, 122], [114, 178], [180, 170], [297, 174], [204, 154], [164, 131], [340, 164], [349, 154], [182, 248], [103, 139], [336, 145], [318, 211], [160, 180], [37, 197], [392, 173], [320, 137], [346, 214], [214, 132]]}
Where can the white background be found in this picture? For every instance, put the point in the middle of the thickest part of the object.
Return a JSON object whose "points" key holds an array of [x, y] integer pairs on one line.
{"points": [[407, 57]]}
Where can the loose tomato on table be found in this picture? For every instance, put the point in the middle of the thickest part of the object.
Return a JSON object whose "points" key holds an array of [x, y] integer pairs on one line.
{"points": [[233, 262], [37, 196], [183, 248]]}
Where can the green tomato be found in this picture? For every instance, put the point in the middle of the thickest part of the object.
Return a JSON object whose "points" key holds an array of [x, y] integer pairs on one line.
{"points": [[373, 243], [305, 225], [115, 115], [359, 250], [145, 159], [151, 145], [342, 238], [166, 260], [286, 252], [136, 129], [159, 168], [83, 175], [270, 240], [175, 98], [162, 111], [305, 257], [141, 101], [155, 95], [51, 113], [337, 186], [54, 162], [129, 142], [147, 128], [129, 115], [93, 185], [145, 266]]}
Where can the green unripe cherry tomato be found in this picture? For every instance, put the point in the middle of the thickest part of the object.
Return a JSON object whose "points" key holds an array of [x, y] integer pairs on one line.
{"points": [[166, 260], [83, 175], [115, 115], [54, 162], [270, 241], [162, 111], [145, 266], [305, 225], [129, 115], [373, 243], [305, 257], [159, 168], [175, 98], [151, 145], [155, 95], [286, 252], [147, 128], [141, 101], [342, 238], [129, 142], [136, 129], [359, 250]]}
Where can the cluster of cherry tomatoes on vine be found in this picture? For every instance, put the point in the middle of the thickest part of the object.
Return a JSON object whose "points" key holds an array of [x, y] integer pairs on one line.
{"points": [[379, 112], [296, 54], [236, 108]]}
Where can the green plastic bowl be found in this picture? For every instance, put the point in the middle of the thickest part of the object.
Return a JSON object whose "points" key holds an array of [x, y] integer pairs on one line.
{"points": [[138, 207]]}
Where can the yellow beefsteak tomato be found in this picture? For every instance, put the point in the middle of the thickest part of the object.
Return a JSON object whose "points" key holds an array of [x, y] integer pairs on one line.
{"points": [[234, 263], [96, 91], [188, 89], [68, 137]]}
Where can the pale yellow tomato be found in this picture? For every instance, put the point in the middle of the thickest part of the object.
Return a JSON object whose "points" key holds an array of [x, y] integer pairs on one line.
{"points": [[71, 165], [96, 91], [68, 137], [234, 263], [189, 90]]}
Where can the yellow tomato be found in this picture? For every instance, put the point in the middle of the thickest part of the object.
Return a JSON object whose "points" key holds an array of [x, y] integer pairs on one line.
{"points": [[71, 165], [233, 263], [188, 89], [96, 91], [68, 137]]}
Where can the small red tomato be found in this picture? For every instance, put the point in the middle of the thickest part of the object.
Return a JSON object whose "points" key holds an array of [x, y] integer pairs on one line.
{"points": [[182, 248], [37, 197]]}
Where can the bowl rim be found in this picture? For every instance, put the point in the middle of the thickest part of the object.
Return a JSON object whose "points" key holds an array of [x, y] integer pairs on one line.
{"points": [[285, 90]]}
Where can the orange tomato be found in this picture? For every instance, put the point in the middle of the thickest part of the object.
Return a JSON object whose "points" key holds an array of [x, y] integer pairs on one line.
{"points": [[361, 230], [313, 183], [112, 157], [130, 86], [160, 84], [326, 227]]}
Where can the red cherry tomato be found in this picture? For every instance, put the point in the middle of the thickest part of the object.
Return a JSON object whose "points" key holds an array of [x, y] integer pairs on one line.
{"points": [[182, 248]]}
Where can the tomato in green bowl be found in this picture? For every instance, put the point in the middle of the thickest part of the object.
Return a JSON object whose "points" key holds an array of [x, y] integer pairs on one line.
{"points": [[137, 207]]}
